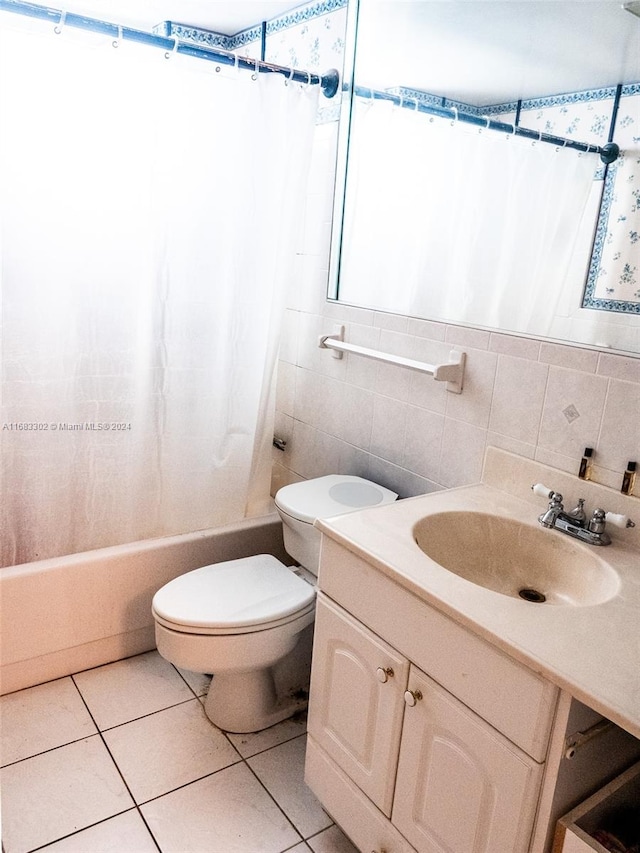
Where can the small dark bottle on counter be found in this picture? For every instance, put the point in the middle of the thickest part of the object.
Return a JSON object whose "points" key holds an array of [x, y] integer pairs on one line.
{"points": [[629, 479], [585, 464]]}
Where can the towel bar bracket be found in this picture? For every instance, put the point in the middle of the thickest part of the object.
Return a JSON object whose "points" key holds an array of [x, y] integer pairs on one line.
{"points": [[452, 372]]}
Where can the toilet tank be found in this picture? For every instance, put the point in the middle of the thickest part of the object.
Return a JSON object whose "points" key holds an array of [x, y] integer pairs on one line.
{"points": [[300, 504], [301, 541]]}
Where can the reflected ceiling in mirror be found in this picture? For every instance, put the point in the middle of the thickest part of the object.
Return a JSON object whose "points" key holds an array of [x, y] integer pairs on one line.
{"points": [[431, 223]]}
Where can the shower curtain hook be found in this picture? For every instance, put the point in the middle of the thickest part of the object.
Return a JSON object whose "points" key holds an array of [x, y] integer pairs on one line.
{"points": [[116, 41], [290, 77], [60, 25], [169, 53], [254, 76], [455, 118], [308, 73]]}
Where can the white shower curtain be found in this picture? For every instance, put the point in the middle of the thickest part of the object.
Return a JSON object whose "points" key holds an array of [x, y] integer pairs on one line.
{"points": [[150, 213], [474, 226]]}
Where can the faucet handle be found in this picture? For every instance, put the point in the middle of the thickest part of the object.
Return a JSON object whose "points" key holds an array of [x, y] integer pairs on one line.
{"points": [[619, 520], [542, 491], [598, 521]]}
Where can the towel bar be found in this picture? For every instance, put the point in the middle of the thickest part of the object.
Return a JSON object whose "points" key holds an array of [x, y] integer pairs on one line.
{"points": [[452, 373]]}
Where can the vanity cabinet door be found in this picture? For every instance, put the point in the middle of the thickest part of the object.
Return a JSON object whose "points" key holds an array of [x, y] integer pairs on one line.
{"points": [[461, 786], [357, 701]]}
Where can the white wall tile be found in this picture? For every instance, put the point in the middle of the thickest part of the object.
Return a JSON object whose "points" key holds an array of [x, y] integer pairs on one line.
{"points": [[423, 442], [426, 329], [362, 371], [405, 483], [352, 410], [474, 404], [462, 454], [572, 411], [619, 367], [289, 341], [388, 430], [619, 439], [512, 345], [569, 357], [464, 336], [518, 398], [286, 388]]}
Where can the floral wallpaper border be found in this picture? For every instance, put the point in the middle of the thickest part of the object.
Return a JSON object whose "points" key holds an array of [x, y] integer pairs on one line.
{"points": [[210, 38]]}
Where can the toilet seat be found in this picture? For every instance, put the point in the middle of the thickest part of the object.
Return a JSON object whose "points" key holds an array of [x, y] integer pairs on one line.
{"points": [[234, 597]]}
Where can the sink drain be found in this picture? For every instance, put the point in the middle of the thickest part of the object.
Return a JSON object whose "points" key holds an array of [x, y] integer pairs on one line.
{"points": [[532, 595]]}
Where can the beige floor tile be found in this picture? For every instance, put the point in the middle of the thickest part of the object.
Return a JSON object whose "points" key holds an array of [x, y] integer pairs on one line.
{"points": [[228, 812], [125, 833], [254, 742], [197, 681], [123, 691], [332, 840], [42, 718], [168, 749], [51, 795], [300, 848], [281, 771]]}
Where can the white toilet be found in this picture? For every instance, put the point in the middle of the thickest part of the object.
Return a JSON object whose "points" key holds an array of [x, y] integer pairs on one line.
{"points": [[249, 621]]}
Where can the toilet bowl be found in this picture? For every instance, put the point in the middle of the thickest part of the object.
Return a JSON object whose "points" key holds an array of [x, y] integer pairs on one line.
{"points": [[250, 621]]}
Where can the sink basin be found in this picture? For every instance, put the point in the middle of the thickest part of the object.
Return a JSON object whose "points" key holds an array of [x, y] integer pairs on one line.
{"points": [[515, 559]]}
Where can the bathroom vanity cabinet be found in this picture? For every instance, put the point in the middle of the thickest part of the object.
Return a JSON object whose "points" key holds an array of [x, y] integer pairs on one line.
{"points": [[423, 736]]}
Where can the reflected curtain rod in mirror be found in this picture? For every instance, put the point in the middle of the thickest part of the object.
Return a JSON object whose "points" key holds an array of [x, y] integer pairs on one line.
{"points": [[609, 153], [438, 219]]}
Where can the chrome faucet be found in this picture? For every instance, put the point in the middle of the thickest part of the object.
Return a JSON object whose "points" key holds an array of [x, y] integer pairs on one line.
{"points": [[575, 523]]}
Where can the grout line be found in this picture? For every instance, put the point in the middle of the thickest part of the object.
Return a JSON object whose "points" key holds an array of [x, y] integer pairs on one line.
{"points": [[51, 749], [135, 806], [78, 831], [115, 763], [271, 796]]}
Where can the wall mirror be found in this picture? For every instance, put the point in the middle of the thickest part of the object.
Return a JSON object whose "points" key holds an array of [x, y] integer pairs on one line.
{"points": [[475, 187]]}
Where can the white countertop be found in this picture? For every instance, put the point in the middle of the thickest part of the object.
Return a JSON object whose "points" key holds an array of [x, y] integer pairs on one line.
{"points": [[593, 652]]}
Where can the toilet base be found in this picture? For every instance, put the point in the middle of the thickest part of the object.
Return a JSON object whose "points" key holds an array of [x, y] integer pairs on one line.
{"points": [[249, 701], [245, 702]]}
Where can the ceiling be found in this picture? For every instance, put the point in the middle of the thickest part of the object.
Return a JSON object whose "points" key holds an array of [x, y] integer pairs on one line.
{"points": [[222, 16], [495, 51]]}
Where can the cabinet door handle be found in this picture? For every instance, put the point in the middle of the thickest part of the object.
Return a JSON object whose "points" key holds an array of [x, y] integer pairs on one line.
{"points": [[383, 674], [412, 696]]}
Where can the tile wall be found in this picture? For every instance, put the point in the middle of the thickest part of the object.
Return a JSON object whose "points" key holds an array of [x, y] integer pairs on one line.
{"points": [[541, 400]]}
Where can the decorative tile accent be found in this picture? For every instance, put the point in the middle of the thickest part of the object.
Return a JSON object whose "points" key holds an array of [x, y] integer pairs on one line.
{"points": [[309, 41], [614, 276], [204, 38], [311, 37]]}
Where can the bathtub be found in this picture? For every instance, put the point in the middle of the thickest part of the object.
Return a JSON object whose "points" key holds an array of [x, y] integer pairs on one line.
{"points": [[66, 614]]}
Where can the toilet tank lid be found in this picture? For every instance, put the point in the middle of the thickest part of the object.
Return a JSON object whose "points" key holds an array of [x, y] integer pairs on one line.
{"points": [[237, 593], [335, 494]]}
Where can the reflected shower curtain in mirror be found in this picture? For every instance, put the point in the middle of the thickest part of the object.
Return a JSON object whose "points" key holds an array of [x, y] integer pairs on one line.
{"points": [[466, 211], [150, 213]]}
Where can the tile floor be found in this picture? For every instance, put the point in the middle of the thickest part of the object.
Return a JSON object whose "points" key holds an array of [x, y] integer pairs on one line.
{"points": [[122, 759]]}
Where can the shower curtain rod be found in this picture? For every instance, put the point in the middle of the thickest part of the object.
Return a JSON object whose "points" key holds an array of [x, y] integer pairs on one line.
{"points": [[329, 81], [608, 153]]}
